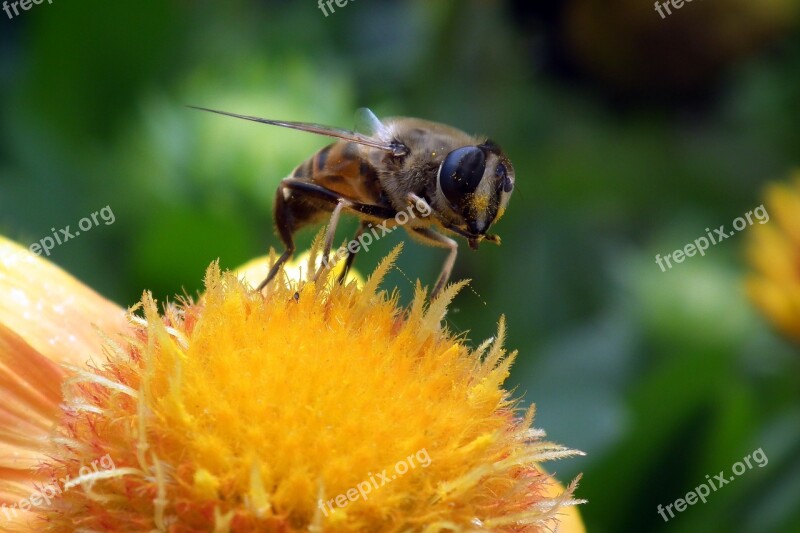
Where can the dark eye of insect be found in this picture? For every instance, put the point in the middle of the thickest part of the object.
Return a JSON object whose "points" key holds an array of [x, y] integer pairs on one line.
{"points": [[461, 173], [502, 176]]}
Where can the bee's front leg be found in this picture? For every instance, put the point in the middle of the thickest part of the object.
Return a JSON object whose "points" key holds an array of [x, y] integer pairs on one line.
{"points": [[433, 238], [423, 207], [351, 256]]}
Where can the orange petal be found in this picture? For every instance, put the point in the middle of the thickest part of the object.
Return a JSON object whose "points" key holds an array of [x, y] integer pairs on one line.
{"points": [[51, 310], [47, 318], [30, 385]]}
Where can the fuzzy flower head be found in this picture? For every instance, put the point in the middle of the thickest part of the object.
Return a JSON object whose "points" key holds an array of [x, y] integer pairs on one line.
{"points": [[320, 407], [774, 253]]}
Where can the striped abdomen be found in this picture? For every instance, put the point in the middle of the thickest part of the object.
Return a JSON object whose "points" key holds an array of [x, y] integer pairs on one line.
{"points": [[341, 167]]}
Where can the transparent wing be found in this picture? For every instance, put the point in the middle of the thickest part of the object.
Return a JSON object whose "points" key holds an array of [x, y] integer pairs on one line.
{"points": [[319, 129], [369, 124]]}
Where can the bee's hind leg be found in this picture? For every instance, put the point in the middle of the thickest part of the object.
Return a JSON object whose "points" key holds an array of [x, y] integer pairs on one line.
{"points": [[283, 221], [287, 221]]}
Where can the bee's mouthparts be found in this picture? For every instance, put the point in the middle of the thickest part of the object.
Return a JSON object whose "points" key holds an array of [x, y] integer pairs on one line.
{"points": [[474, 239]]}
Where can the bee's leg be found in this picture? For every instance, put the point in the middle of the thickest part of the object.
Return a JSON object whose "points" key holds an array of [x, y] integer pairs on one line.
{"points": [[433, 238], [352, 255], [283, 220], [331, 233], [423, 208]]}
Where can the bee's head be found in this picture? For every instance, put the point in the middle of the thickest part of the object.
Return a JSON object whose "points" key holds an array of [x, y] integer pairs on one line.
{"points": [[477, 182]]}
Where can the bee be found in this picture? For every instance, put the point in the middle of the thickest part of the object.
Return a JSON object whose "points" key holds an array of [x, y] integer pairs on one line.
{"points": [[454, 183]]}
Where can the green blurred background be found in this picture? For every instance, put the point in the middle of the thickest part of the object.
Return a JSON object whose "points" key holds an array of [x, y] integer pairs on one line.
{"points": [[629, 134]]}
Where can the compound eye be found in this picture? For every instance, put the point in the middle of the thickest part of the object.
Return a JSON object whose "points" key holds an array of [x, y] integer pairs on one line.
{"points": [[461, 172]]}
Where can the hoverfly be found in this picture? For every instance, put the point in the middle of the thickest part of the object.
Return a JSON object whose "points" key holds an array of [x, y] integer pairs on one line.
{"points": [[459, 183]]}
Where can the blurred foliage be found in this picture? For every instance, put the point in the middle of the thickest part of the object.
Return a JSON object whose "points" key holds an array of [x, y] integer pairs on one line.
{"points": [[624, 146]]}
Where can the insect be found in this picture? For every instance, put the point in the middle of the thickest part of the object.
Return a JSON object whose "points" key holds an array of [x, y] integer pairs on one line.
{"points": [[458, 184]]}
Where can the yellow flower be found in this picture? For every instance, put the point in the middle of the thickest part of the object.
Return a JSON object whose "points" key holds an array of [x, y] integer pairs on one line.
{"points": [[774, 253], [318, 407]]}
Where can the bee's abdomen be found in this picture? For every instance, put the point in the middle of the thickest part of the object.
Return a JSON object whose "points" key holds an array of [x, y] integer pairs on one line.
{"points": [[341, 168], [304, 171]]}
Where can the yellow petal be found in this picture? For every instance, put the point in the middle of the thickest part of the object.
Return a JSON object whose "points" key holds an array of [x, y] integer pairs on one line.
{"points": [[569, 518], [774, 254], [271, 412]]}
